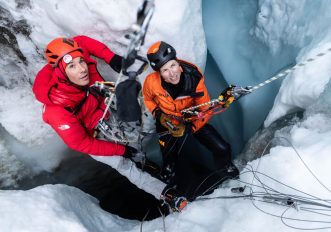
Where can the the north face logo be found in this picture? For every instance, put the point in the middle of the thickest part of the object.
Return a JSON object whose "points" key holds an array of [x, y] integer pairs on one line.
{"points": [[64, 127]]}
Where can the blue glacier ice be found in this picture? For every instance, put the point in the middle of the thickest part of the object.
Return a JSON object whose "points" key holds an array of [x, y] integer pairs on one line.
{"points": [[237, 57]]}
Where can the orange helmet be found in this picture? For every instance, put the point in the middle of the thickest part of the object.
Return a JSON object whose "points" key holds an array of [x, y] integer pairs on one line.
{"points": [[58, 48], [159, 54]]}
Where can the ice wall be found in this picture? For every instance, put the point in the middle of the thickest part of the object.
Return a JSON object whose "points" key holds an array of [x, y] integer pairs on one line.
{"points": [[239, 56], [304, 24]]}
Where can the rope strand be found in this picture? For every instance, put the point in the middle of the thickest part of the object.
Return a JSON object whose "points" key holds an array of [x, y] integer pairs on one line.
{"points": [[191, 110]]}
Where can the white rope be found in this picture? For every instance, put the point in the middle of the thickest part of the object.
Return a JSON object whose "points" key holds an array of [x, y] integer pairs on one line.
{"points": [[110, 99], [190, 110], [289, 70]]}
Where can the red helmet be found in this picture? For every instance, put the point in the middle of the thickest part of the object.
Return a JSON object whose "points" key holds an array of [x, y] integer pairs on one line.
{"points": [[58, 48], [159, 54]]}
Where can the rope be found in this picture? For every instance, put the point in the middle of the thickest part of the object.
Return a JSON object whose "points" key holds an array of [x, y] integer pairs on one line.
{"points": [[272, 196], [291, 69], [190, 110], [163, 219], [142, 222], [311, 172]]}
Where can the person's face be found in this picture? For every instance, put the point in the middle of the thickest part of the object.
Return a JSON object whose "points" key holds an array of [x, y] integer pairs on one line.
{"points": [[170, 72], [77, 71]]}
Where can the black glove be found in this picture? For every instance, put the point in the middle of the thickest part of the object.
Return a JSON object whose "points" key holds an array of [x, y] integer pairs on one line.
{"points": [[149, 166], [157, 113], [116, 63], [130, 152], [130, 59], [134, 155]]}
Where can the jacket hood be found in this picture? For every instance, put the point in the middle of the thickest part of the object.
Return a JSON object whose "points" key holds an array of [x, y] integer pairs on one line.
{"points": [[51, 87], [43, 83]]}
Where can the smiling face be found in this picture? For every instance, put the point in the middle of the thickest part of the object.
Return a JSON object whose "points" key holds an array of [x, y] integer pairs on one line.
{"points": [[77, 71], [171, 71]]}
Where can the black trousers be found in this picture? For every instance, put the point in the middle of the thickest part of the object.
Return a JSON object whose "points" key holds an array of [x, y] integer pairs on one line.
{"points": [[182, 162]]}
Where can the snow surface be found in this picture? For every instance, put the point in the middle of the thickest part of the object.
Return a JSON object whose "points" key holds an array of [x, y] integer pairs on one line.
{"points": [[56, 208], [301, 159], [141, 179]]}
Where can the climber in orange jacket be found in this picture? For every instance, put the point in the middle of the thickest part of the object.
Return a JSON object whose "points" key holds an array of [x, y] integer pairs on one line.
{"points": [[174, 86]]}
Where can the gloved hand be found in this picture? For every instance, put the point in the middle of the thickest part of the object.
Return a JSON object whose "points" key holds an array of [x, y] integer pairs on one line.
{"points": [[226, 97], [232, 93], [116, 63], [129, 60], [141, 162], [175, 127], [129, 152], [157, 113], [135, 156]]}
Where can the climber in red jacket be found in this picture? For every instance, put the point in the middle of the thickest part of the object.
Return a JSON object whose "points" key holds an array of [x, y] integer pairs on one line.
{"points": [[62, 86]]}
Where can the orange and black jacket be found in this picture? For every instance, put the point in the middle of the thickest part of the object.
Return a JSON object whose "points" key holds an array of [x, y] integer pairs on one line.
{"points": [[192, 92]]}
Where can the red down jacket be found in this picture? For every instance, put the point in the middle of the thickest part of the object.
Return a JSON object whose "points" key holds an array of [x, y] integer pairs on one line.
{"points": [[75, 114]]}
